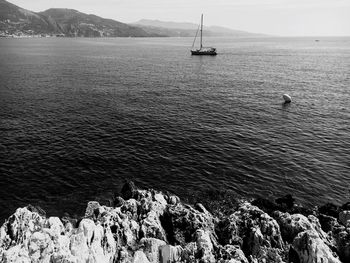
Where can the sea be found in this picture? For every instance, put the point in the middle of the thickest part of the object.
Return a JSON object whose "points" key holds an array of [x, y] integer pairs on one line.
{"points": [[80, 116]]}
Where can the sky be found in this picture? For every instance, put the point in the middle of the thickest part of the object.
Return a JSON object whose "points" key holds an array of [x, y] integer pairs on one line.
{"points": [[275, 17]]}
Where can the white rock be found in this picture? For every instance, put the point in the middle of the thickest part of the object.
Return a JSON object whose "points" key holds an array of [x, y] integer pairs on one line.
{"points": [[140, 257], [151, 248], [55, 225], [40, 247], [79, 247], [152, 227], [87, 227], [170, 253], [311, 248], [16, 254], [62, 248], [204, 243], [91, 207], [160, 199]]}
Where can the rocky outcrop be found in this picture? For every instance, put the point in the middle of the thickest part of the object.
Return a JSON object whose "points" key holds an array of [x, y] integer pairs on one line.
{"points": [[257, 233], [149, 226]]}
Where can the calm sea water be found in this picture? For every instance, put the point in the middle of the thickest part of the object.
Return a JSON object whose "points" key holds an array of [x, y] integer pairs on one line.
{"points": [[78, 116]]}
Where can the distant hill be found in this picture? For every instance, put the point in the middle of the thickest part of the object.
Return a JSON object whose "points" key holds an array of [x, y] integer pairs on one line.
{"points": [[17, 21], [75, 23], [167, 24], [189, 29]]}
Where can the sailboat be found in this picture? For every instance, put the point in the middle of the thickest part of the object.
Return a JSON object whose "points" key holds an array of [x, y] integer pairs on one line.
{"points": [[211, 51]]}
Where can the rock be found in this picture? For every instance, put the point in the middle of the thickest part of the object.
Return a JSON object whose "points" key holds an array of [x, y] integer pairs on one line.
{"points": [[329, 209], [255, 241], [342, 239], [140, 257], [159, 198], [344, 217], [345, 206], [127, 232], [204, 246], [306, 235], [44, 240], [36, 209], [327, 222], [130, 209], [69, 220], [118, 201], [311, 248], [170, 253], [270, 255], [292, 225], [287, 201], [19, 227], [123, 256], [231, 254], [152, 227], [201, 208], [173, 200], [128, 190], [79, 247], [182, 223], [40, 247], [62, 251], [265, 205], [189, 252], [56, 226], [16, 254], [151, 247], [92, 209], [252, 229]]}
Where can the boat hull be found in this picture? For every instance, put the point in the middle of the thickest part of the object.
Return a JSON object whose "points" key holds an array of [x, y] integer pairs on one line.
{"points": [[203, 53]]}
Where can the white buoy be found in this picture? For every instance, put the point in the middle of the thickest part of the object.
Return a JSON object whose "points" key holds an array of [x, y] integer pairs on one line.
{"points": [[287, 98]]}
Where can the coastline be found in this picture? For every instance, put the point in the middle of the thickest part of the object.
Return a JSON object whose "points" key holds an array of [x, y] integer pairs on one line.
{"points": [[151, 226]]}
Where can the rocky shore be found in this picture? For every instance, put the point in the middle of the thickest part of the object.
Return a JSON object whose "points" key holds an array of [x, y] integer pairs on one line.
{"points": [[150, 226]]}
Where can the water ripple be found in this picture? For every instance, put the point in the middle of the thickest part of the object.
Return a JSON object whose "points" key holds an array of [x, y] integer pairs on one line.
{"points": [[76, 120]]}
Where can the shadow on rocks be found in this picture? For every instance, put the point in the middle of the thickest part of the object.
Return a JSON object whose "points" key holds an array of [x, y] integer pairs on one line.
{"points": [[283, 204], [218, 202]]}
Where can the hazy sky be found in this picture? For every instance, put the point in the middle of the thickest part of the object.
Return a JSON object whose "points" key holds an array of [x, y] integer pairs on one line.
{"points": [[278, 17]]}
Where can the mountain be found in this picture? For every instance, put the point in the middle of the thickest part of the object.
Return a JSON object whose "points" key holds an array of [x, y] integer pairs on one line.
{"points": [[189, 29], [74, 23], [17, 21]]}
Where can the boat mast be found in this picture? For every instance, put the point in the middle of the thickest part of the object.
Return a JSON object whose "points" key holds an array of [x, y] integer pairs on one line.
{"points": [[201, 30]]}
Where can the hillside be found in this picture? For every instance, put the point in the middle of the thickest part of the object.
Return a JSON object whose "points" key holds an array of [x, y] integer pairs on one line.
{"points": [[74, 23], [16, 21]]}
